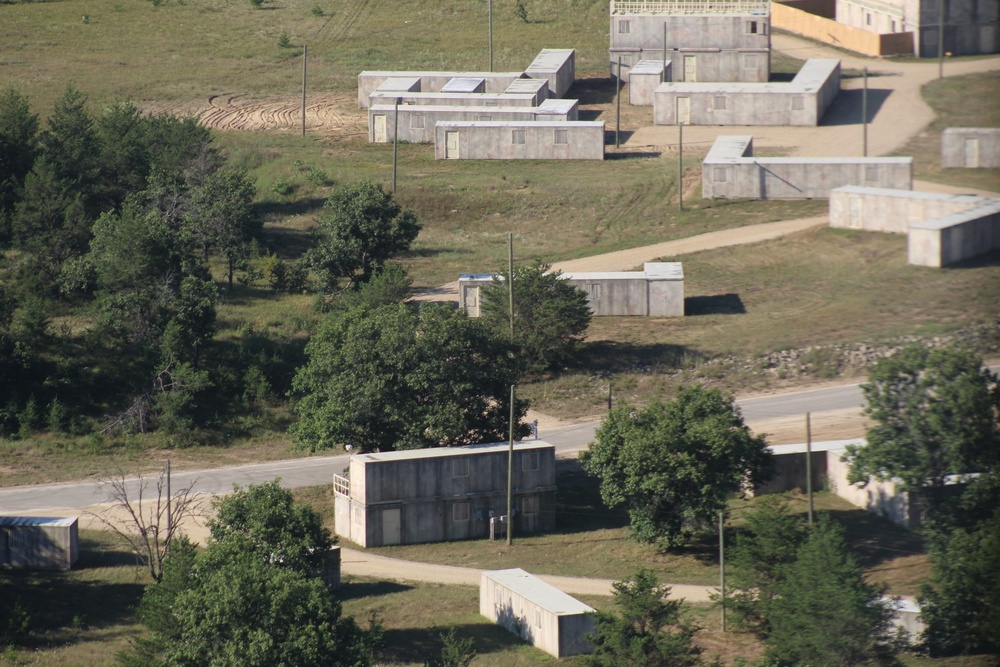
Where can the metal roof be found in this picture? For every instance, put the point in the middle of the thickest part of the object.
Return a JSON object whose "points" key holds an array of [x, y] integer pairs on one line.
{"points": [[532, 588], [37, 520]]}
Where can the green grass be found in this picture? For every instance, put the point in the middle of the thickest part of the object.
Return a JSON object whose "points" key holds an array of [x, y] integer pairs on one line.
{"points": [[958, 101]]}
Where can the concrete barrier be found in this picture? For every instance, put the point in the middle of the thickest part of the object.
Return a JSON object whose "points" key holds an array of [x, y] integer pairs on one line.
{"points": [[971, 147], [730, 171], [416, 123], [942, 229], [519, 140], [802, 101]]}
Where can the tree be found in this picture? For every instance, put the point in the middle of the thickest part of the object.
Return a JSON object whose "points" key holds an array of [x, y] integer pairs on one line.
{"points": [[648, 629], [361, 228], [394, 378], [961, 603], [222, 217], [267, 520], [825, 614], [758, 560], [148, 522], [550, 314], [674, 464], [454, 652], [18, 147], [935, 414]]}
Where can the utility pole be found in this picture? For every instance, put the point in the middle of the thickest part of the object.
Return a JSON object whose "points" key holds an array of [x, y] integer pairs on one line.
{"points": [[940, 39], [663, 76], [170, 518], [490, 3], [395, 142], [864, 114], [510, 475], [510, 281], [304, 60], [680, 166], [722, 566], [809, 458], [609, 395], [618, 102]]}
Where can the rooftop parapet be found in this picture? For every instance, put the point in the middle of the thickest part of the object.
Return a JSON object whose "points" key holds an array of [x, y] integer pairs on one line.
{"points": [[692, 7]]}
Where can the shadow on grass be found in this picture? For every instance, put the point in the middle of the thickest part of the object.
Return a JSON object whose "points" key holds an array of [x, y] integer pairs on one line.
{"points": [[593, 90], [406, 645], [287, 243], [615, 357], [283, 209], [355, 590], [876, 540], [716, 304], [579, 507], [631, 155]]}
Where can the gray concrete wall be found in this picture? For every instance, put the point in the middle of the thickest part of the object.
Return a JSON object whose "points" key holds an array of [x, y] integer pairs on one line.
{"points": [[557, 66], [448, 495], [708, 65], [542, 140], [953, 238], [879, 18], [691, 31], [942, 229], [37, 542], [971, 26], [643, 80], [970, 147], [802, 101], [369, 81], [384, 98], [416, 123], [530, 617], [892, 211], [730, 171]]}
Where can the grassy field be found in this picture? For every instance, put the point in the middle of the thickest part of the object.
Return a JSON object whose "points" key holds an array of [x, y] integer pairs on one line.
{"points": [[958, 102]]}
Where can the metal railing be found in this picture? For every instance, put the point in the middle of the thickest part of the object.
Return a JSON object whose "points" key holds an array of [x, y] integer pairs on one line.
{"points": [[341, 485], [756, 7]]}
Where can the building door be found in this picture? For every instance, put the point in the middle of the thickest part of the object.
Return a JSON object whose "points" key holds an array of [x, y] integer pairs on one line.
{"points": [[379, 128], [690, 68], [684, 110], [390, 527], [854, 219], [972, 153], [450, 145], [471, 300]]}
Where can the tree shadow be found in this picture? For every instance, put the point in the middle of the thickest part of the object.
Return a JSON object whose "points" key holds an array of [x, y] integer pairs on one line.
{"points": [[579, 507], [715, 304], [875, 540], [615, 357], [407, 645], [288, 243], [298, 206], [356, 590]]}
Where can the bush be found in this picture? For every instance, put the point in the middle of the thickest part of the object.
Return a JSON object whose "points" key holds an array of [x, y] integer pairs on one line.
{"points": [[284, 41]]}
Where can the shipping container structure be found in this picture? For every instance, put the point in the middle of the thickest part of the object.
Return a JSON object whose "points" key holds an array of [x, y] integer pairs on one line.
{"points": [[39, 542]]}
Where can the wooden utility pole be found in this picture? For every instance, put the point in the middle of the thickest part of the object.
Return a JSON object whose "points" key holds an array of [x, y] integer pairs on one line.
{"points": [[864, 114], [722, 566], [510, 475], [618, 102], [304, 60], [940, 39], [680, 166], [809, 458], [510, 281], [663, 76], [490, 3], [395, 142], [170, 518]]}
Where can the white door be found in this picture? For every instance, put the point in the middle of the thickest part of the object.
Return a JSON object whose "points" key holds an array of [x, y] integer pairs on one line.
{"points": [[854, 215], [379, 128], [684, 110], [472, 300], [690, 68], [390, 526], [451, 145], [972, 153]]}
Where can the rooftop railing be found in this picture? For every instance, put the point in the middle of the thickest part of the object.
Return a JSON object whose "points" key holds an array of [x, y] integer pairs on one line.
{"points": [[757, 7]]}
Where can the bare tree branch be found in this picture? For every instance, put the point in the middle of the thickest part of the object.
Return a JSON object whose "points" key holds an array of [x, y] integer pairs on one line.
{"points": [[138, 515]]}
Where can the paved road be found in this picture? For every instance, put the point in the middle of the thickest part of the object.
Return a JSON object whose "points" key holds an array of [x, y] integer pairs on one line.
{"points": [[319, 469]]}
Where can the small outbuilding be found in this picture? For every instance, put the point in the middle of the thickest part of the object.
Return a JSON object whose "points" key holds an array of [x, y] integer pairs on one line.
{"points": [[971, 147], [39, 542], [537, 612]]}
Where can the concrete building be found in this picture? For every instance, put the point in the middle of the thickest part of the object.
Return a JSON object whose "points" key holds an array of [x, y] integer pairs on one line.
{"points": [[417, 122], [971, 147], [524, 140], [895, 26], [370, 81], [536, 612], [802, 101], [730, 171], [557, 67], [39, 542], [656, 291], [942, 229], [445, 493], [644, 78], [723, 40]]}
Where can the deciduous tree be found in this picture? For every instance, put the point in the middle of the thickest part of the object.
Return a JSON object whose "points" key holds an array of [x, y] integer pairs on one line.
{"points": [[550, 314], [674, 464], [361, 227], [395, 378]]}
